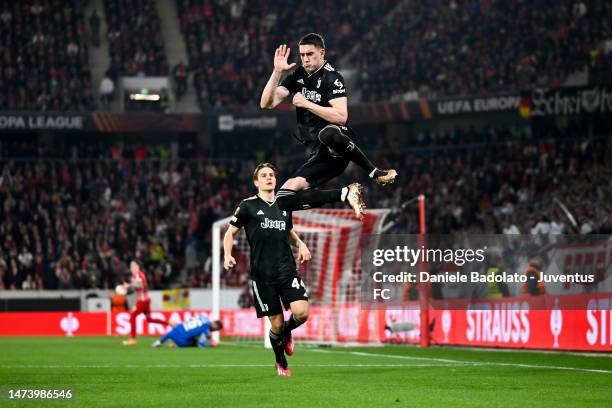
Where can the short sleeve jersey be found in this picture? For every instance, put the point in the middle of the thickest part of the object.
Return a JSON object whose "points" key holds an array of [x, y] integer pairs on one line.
{"points": [[320, 87], [267, 229]]}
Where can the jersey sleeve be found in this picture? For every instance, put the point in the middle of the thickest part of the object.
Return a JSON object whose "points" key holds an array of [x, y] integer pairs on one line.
{"points": [[240, 217], [335, 86], [290, 221], [290, 82]]}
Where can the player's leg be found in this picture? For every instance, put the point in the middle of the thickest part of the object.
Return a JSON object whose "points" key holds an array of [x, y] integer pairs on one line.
{"points": [[267, 304], [137, 310], [150, 319], [296, 195], [337, 139], [278, 344], [294, 297], [300, 193], [146, 309]]}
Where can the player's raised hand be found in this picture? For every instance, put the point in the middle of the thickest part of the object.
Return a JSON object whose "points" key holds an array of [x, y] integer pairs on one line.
{"points": [[280, 59], [303, 253], [229, 262]]}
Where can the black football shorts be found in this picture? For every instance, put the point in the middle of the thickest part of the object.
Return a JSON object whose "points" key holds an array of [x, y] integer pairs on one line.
{"points": [[268, 297]]}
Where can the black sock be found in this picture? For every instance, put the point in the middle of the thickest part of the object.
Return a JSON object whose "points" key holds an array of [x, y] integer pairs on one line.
{"points": [[290, 200], [292, 323], [333, 138], [279, 348]]}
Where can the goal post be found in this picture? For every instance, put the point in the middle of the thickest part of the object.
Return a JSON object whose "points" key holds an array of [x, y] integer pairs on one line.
{"points": [[332, 277], [334, 238]]}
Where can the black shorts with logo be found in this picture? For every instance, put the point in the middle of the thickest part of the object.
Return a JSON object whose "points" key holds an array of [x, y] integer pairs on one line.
{"points": [[322, 166], [268, 297]]}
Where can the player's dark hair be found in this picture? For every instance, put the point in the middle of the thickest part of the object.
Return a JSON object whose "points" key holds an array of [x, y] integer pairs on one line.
{"points": [[261, 166], [313, 39], [219, 324]]}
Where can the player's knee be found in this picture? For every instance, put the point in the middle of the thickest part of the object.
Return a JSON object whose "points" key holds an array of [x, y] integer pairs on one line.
{"points": [[277, 326], [295, 184], [301, 315], [331, 136], [277, 323]]}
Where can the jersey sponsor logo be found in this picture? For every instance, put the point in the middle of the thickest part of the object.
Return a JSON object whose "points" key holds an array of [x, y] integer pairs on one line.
{"points": [[260, 212], [275, 224], [300, 81], [311, 95], [328, 67], [339, 84], [337, 91]]}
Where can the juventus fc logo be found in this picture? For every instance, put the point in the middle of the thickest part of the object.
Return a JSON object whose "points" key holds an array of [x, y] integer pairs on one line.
{"points": [[318, 83]]}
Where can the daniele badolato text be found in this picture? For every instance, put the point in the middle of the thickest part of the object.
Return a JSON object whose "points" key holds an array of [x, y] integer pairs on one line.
{"points": [[476, 277], [404, 256]]}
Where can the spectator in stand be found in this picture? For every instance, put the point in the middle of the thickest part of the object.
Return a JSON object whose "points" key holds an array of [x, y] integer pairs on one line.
{"points": [[179, 74], [44, 56], [135, 42], [107, 88], [94, 26], [245, 300]]}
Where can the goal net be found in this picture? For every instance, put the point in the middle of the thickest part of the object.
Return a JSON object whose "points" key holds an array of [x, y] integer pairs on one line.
{"points": [[332, 276]]}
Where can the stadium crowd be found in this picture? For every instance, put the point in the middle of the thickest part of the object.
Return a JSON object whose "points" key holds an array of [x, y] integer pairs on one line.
{"points": [[135, 43], [44, 61], [465, 48], [398, 49], [75, 219], [231, 43]]}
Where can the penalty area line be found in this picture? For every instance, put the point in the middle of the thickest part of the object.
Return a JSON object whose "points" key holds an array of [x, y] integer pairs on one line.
{"points": [[473, 363]]}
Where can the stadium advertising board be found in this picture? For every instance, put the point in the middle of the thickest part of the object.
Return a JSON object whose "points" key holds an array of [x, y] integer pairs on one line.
{"points": [[570, 101], [100, 122], [509, 323]]}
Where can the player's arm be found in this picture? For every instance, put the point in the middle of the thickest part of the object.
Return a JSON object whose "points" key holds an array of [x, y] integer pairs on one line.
{"points": [[335, 92], [337, 113], [238, 220], [228, 244], [303, 251], [273, 94], [161, 341]]}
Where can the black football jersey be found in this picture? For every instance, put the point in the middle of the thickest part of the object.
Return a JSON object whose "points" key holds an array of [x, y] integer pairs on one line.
{"points": [[267, 229], [319, 87]]}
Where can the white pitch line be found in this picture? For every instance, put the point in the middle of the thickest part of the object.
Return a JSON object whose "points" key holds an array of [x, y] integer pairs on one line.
{"points": [[53, 366], [474, 363]]}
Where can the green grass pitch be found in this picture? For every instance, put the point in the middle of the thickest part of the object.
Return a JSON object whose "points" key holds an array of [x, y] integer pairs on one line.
{"points": [[103, 373]]}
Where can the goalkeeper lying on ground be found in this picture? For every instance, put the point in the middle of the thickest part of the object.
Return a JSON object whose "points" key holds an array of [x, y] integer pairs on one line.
{"points": [[191, 333]]}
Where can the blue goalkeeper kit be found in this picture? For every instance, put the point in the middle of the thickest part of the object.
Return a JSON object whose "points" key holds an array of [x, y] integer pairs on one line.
{"points": [[191, 333]]}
